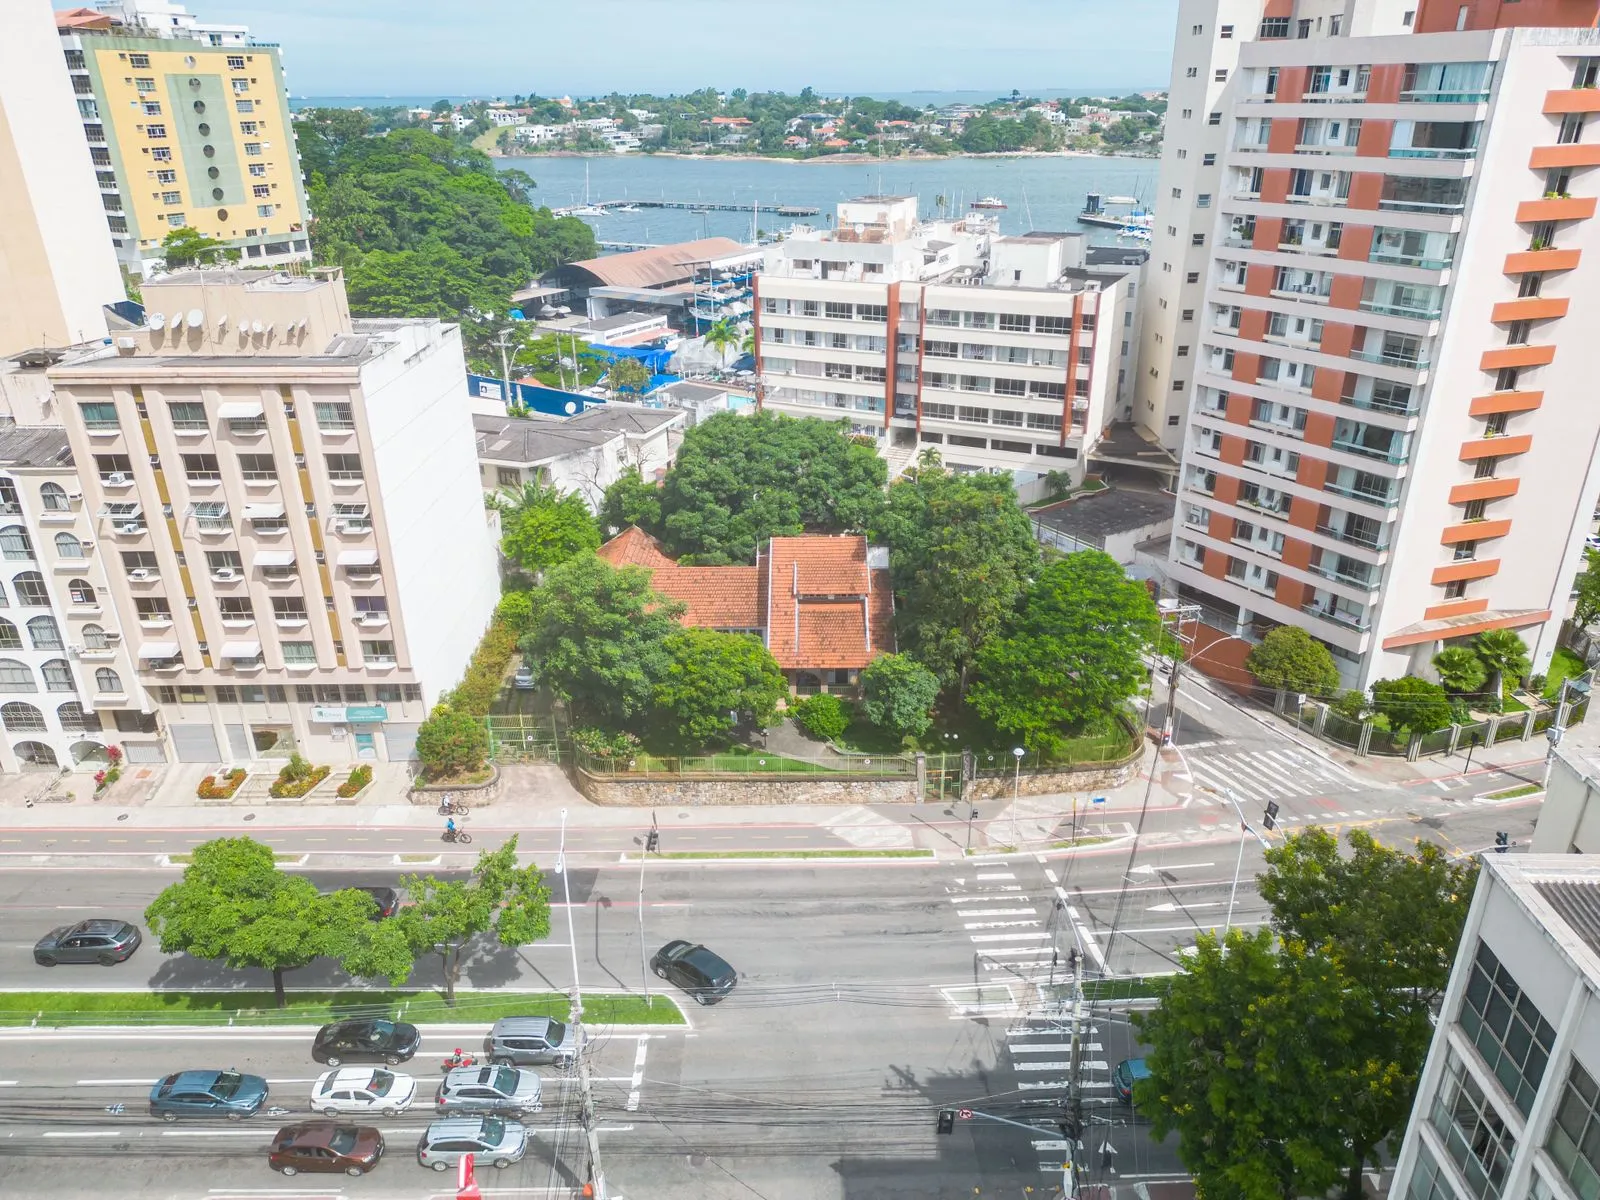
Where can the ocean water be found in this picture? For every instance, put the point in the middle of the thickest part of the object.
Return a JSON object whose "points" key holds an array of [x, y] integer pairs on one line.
{"points": [[1044, 193]]}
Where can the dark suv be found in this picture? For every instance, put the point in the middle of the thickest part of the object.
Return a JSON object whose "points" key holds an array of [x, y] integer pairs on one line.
{"points": [[704, 975], [99, 941], [392, 1042]]}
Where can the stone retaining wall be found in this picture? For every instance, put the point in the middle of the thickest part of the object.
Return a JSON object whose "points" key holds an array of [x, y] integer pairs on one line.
{"points": [[622, 791], [475, 795], [1098, 778]]}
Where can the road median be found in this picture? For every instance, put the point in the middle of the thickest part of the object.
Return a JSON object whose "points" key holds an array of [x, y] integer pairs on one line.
{"points": [[226, 1009], [770, 855]]}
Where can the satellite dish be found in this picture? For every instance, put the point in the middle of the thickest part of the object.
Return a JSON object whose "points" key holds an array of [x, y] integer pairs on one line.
{"points": [[197, 318], [157, 321], [222, 322], [257, 327]]}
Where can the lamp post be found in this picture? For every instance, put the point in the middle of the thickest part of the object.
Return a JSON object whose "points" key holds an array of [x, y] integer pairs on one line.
{"points": [[1238, 865], [1016, 793]]}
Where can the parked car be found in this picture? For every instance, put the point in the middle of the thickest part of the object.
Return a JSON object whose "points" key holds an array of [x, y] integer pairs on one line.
{"points": [[531, 1042], [1127, 1073], [325, 1146], [99, 940], [489, 1090], [690, 966], [524, 678], [488, 1139], [229, 1094], [392, 1042], [363, 1090], [386, 898]]}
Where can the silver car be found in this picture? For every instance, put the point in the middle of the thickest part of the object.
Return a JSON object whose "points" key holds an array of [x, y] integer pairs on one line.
{"points": [[493, 1090], [489, 1139], [532, 1042]]}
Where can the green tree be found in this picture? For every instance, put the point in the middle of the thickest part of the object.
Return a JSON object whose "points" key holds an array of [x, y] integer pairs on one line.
{"points": [[541, 528], [186, 246], [1506, 656], [599, 634], [1411, 704], [451, 743], [627, 376], [714, 681], [1586, 610], [739, 480], [824, 716], [898, 694], [631, 501], [234, 904], [321, 134], [722, 337], [1291, 659], [1073, 653], [960, 553], [1460, 669], [499, 898]]}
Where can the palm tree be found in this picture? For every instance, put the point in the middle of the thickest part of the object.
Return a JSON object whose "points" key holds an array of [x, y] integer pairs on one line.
{"points": [[1460, 669], [722, 337], [747, 344], [1505, 654], [941, 202]]}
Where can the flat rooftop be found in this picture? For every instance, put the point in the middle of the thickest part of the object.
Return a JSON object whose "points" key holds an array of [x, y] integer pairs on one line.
{"points": [[1099, 515], [34, 446], [1561, 893]]}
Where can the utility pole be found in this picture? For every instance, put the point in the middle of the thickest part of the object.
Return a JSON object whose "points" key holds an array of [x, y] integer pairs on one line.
{"points": [[596, 1175], [652, 842], [1074, 1100]]}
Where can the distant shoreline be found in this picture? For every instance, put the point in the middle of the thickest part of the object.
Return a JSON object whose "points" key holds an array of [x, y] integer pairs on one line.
{"points": [[853, 159]]}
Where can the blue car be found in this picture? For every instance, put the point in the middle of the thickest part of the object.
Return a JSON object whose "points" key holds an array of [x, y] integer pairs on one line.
{"points": [[229, 1094]]}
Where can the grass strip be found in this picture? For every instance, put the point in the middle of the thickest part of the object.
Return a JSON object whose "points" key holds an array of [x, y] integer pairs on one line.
{"points": [[1135, 988], [257, 1008], [1526, 789], [283, 858], [1073, 843], [797, 854]]}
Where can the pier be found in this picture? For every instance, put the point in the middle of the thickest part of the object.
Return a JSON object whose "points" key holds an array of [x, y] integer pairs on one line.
{"points": [[782, 210]]}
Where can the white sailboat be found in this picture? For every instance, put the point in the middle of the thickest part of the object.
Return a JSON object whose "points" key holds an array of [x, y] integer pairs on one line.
{"points": [[587, 208]]}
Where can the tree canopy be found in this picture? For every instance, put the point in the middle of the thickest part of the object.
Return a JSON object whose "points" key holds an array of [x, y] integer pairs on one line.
{"points": [[1412, 704], [898, 694], [1072, 654], [452, 742], [630, 501], [186, 246], [1586, 610], [960, 553], [1291, 659], [540, 527], [713, 682], [424, 226], [739, 480]]}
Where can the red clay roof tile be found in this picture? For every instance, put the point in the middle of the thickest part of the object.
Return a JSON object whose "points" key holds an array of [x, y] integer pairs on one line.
{"points": [[634, 547]]}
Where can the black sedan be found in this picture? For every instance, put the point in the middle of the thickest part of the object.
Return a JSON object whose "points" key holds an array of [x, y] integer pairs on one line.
{"points": [[386, 898], [391, 1042], [704, 975], [99, 941]]}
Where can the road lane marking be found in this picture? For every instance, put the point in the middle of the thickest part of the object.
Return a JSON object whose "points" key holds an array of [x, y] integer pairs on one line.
{"points": [[996, 875], [998, 924], [1010, 937], [77, 1133], [998, 912], [975, 898]]}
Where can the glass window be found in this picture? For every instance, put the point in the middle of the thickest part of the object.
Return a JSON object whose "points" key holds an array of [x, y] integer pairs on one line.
{"points": [[44, 634], [55, 498], [21, 718], [1509, 1032], [300, 652], [16, 677], [1428, 1180], [108, 681], [14, 542], [57, 676], [1574, 1138], [31, 591], [1474, 1135]]}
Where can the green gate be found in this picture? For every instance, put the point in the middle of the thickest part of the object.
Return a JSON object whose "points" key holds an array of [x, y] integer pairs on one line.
{"points": [[518, 737]]}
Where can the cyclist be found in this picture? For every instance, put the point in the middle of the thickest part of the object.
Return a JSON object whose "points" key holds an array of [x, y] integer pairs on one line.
{"points": [[450, 828]]}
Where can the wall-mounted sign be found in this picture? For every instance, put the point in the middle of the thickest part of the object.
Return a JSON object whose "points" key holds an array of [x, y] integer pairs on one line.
{"points": [[340, 714]]}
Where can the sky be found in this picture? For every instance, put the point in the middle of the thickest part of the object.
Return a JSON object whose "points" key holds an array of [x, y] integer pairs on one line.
{"points": [[586, 47]]}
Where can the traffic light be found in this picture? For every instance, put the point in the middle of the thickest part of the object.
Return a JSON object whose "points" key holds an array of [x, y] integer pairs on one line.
{"points": [[1270, 821], [652, 841], [947, 1120], [1502, 842]]}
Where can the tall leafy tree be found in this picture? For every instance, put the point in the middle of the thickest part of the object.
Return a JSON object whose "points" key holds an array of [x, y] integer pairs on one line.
{"points": [[186, 246], [1412, 704], [1586, 610], [1291, 659], [540, 527], [499, 898], [630, 501], [452, 742], [898, 694], [234, 904], [960, 552], [1073, 653], [627, 376], [740, 480], [598, 635], [713, 682]]}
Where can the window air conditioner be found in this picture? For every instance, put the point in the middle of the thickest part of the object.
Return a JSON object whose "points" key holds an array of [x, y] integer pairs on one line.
{"points": [[132, 527], [116, 479], [139, 573], [113, 636], [223, 574]]}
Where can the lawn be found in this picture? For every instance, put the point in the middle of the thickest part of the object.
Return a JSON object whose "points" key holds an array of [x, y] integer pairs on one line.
{"points": [[307, 1008], [1563, 665], [744, 760]]}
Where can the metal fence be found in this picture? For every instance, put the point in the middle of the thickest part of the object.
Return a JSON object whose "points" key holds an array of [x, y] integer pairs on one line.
{"points": [[517, 737]]}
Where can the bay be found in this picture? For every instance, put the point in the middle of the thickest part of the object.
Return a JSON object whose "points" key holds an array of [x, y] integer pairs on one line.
{"points": [[1043, 192]]}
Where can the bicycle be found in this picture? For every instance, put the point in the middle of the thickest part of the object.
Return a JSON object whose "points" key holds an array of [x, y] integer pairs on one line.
{"points": [[459, 835], [450, 806]]}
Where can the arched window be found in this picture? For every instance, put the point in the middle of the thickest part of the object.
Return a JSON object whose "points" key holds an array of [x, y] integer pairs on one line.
{"points": [[57, 676], [94, 638], [8, 497], [44, 635], [21, 718], [81, 592], [10, 639], [68, 546], [16, 677], [75, 720], [15, 543], [87, 751], [107, 680], [54, 497], [35, 754], [30, 589]]}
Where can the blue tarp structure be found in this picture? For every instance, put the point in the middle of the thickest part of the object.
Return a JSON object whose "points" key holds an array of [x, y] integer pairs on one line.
{"points": [[533, 396], [651, 356]]}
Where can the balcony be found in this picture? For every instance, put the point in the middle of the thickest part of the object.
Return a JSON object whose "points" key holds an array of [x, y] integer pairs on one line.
{"points": [[1556, 208], [1338, 617], [1366, 496], [1366, 578], [1412, 312], [1365, 541], [1390, 456], [1460, 153], [1392, 358]]}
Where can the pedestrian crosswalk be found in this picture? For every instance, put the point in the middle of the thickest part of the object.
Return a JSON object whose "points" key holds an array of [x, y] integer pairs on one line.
{"points": [[1010, 923], [1261, 775], [1038, 1049]]}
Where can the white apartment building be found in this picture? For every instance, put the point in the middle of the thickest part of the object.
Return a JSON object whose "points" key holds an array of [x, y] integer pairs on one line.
{"points": [[1000, 352], [1509, 1100], [287, 508], [1379, 319]]}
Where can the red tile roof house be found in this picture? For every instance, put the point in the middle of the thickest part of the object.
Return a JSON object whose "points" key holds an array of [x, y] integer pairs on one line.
{"points": [[820, 603]]}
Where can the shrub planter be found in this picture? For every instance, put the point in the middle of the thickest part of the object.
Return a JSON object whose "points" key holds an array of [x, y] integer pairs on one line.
{"points": [[474, 794], [297, 789], [223, 789]]}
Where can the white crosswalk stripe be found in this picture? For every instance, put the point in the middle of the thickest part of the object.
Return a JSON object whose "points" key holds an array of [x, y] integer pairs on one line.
{"points": [[1009, 930], [1257, 776]]}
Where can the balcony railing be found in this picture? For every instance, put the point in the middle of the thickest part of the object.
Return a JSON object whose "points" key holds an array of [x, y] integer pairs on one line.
{"points": [[1338, 617], [1433, 152], [1424, 97], [1373, 404], [1390, 358], [1397, 259], [1402, 310], [1373, 542], [1384, 499], [1387, 456], [1421, 206], [1366, 581]]}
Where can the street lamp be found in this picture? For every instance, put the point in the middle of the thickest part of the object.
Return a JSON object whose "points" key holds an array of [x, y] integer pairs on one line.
{"points": [[1016, 793], [1238, 866]]}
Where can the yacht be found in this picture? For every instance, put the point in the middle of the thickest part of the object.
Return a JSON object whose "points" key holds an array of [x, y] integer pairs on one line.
{"points": [[988, 202]]}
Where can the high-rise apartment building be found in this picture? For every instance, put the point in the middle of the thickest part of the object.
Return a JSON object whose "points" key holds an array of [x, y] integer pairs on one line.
{"points": [[1003, 353], [188, 126], [287, 509], [57, 267], [1374, 291], [1509, 1101]]}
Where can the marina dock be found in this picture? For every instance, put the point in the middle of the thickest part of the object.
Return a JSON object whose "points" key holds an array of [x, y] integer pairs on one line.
{"points": [[782, 210]]}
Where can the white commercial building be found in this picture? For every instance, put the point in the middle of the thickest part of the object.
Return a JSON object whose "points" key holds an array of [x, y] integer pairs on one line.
{"points": [[1509, 1101], [286, 504]]}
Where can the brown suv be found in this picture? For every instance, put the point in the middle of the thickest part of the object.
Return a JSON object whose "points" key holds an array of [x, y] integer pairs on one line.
{"points": [[325, 1146]]}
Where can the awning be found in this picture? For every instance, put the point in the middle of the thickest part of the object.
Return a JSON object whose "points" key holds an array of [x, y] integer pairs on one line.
{"points": [[238, 409], [357, 558], [241, 649], [152, 650], [273, 558], [257, 512]]}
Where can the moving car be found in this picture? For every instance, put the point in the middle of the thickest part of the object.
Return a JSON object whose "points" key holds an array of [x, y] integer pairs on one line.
{"points": [[363, 1090], [489, 1090], [523, 679], [392, 1042], [1127, 1073], [489, 1139], [386, 898], [325, 1146], [531, 1042], [704, 975], [229, 1094], [99, 940]]}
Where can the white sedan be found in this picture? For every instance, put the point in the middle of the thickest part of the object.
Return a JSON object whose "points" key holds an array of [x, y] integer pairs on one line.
{"points": [[363, 1090]]}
